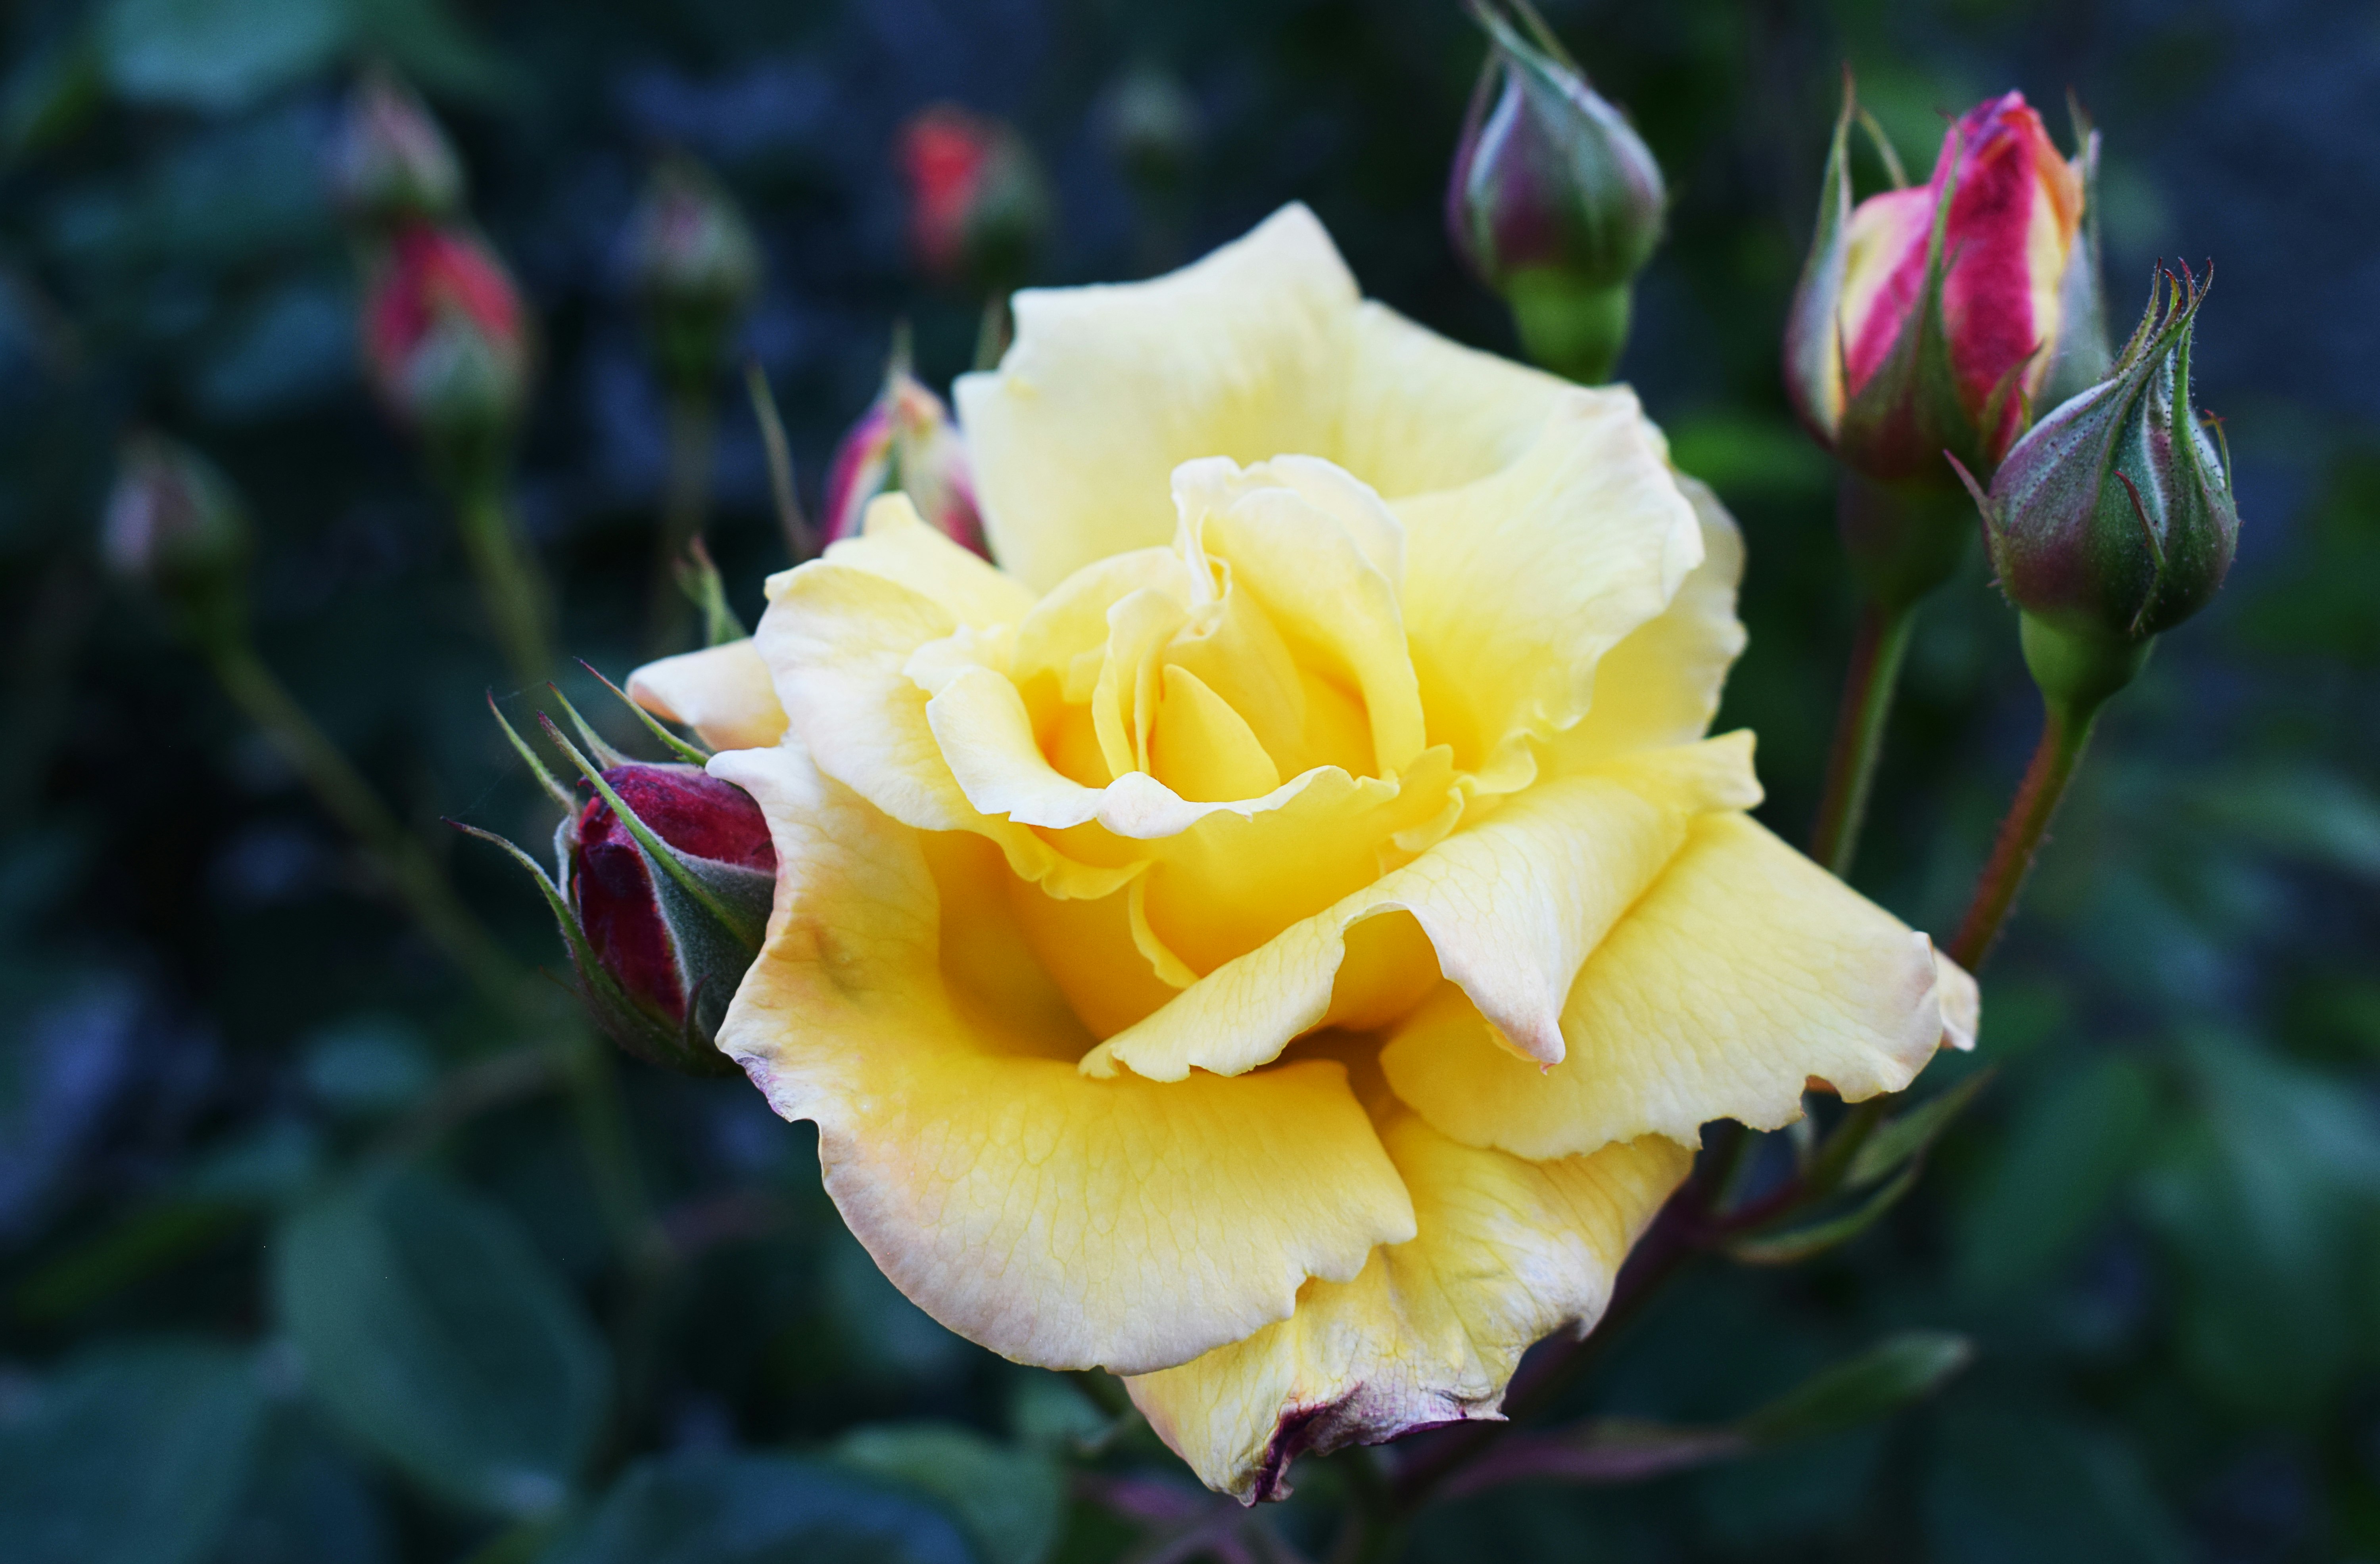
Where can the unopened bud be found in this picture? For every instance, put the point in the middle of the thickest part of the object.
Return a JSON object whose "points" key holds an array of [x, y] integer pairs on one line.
{"points": [[445, 341], [1554, 201], [2114, 519], [906, 442], [390, 163], [1932, 318], [696, 267], [675, 960], [1154, 127], [980, 205], [176, 526]]}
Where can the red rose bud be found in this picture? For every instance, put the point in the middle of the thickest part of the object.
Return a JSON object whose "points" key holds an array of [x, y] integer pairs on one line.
{"points": [[979, 207], [904, 443], [175, 526], [696, 266], [675, 960], [2114, 519], [1554, 201], [390, 164], [1934, 318], [445, 341]]}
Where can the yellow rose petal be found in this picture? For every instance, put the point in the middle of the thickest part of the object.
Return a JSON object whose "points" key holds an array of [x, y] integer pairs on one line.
{"points": [[1107, 390], [1203, 749], [1506, 1251], [1743, 973], [1054, 1218], [723, 693]]}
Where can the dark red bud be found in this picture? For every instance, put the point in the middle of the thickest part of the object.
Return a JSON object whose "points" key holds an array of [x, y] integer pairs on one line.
{"points": [[658, 960]]}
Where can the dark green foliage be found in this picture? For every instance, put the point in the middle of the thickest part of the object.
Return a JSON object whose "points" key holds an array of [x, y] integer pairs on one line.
{"points": [[310, 1248]]}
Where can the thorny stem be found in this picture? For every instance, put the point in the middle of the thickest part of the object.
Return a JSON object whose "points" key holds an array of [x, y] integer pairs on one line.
{"points": [[2064, 735], [511, 586], [1868, 687]]}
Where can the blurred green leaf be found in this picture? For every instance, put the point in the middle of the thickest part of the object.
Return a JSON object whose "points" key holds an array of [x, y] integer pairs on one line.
{"points": [[1011, 1501], [134, 1455], [306, 1503], [2074, 1140], [2298, 809], [1746, 457], [758, 1510], [436, 1336], [2027, 1488], [1804, 1241], [50, 95], [1878, 1382], [216, 54], [1907, 1135]]}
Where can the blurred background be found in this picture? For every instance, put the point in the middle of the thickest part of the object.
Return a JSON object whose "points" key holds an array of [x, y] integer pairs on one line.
{"points": [[298, 1262]]}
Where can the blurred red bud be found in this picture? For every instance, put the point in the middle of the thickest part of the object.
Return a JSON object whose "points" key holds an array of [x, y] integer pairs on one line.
{"points": [[445, 338], [980, 205]]}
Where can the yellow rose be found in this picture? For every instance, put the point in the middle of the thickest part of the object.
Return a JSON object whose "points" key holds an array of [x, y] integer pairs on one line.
{"points": [[1278, 935]]}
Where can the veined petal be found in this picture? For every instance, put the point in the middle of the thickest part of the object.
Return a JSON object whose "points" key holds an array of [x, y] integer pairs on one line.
{"points": [[1660, 686], [1054, 1218], [1507, 1251], [723, 693], [1742, 974], [1511, 907], [1516, 584], [1106, 390]]}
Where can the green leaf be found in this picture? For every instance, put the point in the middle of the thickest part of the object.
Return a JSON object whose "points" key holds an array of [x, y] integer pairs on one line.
{"points": [[1011, 1501], [133, 1456], [216, 54], [2073, 1143], [705, 1509], [435, 1336], [1899, 1139], [1892, 1374], [1791, 1246]]}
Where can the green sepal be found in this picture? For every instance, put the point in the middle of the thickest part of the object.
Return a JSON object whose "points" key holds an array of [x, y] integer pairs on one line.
{"points": [[601, 748], [732, 899], [698, 579], [638, 1030], [545, 779], [1814, 354], [692, 754]]}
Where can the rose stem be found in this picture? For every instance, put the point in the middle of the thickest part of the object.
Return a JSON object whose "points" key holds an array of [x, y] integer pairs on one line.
{"points": [[686, 502], [1868, 687], [511, 586], [422, 885], [2064, 735]]}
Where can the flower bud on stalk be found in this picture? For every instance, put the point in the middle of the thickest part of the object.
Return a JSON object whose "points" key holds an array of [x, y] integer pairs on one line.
{"points": [[446, 343], [390, 164], [176, 526], [1555, 201], [980, 206], [662, 885], [2114, 519], [1935, 316], [904, 443], [696, 268]]}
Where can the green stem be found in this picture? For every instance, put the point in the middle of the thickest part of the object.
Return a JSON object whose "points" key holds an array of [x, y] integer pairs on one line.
{"points": [[686, 503], [511, 585], [1577, 331], [2065, 734], [1868, 687], [402, 861]]}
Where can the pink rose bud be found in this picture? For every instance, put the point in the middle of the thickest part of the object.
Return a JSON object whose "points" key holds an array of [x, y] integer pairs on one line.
{"points": [[904, 443], [696, 267], [390, 164], [979, 206], [1937, 317], [1554, 201], [445, 340], [2114, 519], [669, 955], [176, 526]]}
